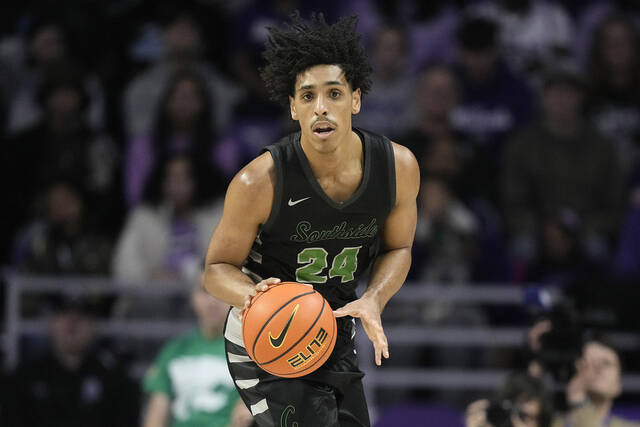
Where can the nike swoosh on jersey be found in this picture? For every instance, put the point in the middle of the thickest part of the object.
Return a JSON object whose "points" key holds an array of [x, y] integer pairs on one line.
{"points": [[277, 342], [293, 203]]}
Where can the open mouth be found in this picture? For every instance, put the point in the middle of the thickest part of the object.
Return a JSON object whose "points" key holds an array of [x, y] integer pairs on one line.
{"points": [[323, 130]]}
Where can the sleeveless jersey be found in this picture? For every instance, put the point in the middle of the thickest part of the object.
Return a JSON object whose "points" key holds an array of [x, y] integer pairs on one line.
{"points": [[310, 238]]}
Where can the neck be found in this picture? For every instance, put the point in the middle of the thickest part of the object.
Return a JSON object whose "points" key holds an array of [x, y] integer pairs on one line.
{"points": [[71, 361], [331, 163], [435, 127], [601, 406], [563, 128]]}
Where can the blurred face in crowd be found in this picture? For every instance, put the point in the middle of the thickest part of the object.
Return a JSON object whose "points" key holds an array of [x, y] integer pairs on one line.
{"points": [[562, 103], [434, 198], [437, 93], [323, 103], [63, 104], [442, 159], [617, 46], [478, 64], [558, 244], [178, 184], [600, 366], [389, 52], [182, 39], [71, 332], [64, 205], [47, 45], [211, 313], [185, 103], [529, 413]]}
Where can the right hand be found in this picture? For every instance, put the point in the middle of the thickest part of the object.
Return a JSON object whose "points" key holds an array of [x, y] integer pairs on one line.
{"points": [[259, 287]]}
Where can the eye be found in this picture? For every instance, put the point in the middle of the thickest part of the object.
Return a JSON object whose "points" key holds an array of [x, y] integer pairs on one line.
{"points": [[307, 96], [335, 93]]}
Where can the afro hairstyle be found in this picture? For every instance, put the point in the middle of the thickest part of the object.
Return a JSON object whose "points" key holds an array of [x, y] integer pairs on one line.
{"points": [[303, 44]]}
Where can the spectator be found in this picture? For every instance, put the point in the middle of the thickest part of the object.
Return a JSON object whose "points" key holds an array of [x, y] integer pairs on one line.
{"points": [[592, 14], [182, 126], [74, 383], [596, 384], [561, 261], [189, 383], [493, 102], [166, 237], [388, 109], [550, 165], [45, 46], [444, 235], [521, 402], [614, 92], [183, 47], [534, 34], [61, 146], [63, 242], [626, 263]]}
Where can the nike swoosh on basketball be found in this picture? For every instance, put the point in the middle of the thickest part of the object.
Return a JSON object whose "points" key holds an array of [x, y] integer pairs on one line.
{"points": [[293, 203], [277, 342]]}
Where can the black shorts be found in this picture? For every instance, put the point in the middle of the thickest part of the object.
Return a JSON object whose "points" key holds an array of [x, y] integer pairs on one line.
{"points": [[332, 396]]}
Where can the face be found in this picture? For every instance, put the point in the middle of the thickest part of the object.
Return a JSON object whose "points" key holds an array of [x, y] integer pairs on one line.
{"points": [[558, 243], [63, 102], [178, 184], [434, 198], [437, 93], [601, 368], [529, 413], [478, 65], [71, 332], [323, 103], [388, 51], [617, 46], [185, 102], [562, 103], [182, 38], [65, 206], [47, 44], [211, 312]]}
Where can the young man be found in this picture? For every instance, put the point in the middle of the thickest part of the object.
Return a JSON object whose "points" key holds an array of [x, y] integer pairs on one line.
{"points": [[319, 207]]}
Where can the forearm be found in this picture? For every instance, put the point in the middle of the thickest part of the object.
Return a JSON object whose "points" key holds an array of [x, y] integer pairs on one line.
{"points": [[228, 283], [388, 274]]}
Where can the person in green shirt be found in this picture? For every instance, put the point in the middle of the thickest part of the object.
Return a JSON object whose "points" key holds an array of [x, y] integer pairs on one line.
{"points": [[188, 383]]}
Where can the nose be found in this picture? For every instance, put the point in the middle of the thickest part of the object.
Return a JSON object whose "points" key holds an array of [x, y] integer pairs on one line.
{"points": [[320, 107]]}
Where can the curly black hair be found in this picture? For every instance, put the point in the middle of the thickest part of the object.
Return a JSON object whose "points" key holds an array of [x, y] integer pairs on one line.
{"points": [[303, 44]]}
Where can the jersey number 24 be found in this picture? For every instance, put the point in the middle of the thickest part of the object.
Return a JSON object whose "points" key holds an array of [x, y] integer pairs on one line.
{"points": [[315, 261]]}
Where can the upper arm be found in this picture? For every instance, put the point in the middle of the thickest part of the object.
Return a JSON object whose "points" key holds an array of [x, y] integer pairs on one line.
{"points": [[400, 226], [157, 413], [247, 205]]}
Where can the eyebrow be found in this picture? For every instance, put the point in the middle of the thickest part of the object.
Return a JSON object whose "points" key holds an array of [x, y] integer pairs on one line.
{"points": [[329, 83]]}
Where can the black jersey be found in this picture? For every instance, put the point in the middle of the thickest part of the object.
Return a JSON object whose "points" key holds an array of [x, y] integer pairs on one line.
{"points": [[310, 238]]}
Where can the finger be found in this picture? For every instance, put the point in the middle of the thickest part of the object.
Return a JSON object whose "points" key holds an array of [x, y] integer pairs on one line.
{"points": [[378, 355], [341, 313]]}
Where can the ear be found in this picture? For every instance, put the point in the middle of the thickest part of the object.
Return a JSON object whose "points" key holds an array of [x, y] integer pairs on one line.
{"points": [[292, 108], [356, 99]]}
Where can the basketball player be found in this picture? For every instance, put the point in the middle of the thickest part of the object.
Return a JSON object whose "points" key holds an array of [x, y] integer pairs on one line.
{"points": [[319, 207]]}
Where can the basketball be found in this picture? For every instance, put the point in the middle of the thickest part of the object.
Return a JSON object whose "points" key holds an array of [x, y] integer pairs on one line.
{"points": [[289, 330]]}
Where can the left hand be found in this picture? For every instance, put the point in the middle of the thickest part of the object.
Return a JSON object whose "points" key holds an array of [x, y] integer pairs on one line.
{"points": [[369, 314]]}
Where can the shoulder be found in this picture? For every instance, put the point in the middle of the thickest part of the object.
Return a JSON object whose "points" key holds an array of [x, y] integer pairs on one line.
{"points": [[256, 177], [407, 171], [251, 190]]}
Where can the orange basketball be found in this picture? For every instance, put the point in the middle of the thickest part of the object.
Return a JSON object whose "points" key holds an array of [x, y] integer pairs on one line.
{"points": [[289, 330]]}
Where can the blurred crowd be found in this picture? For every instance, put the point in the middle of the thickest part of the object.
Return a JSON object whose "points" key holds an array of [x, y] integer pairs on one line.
{"points": [[123, 121]]}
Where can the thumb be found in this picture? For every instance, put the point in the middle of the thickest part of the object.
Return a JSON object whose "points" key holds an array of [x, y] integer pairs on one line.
{"points": [[342, 312]]}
